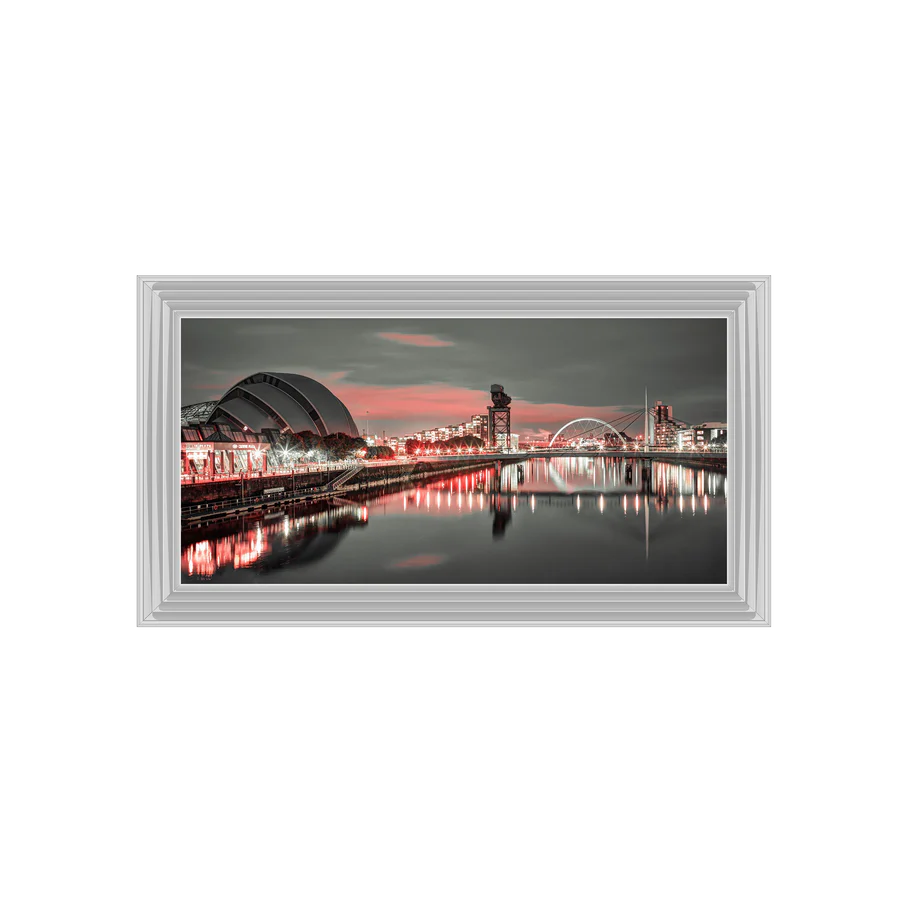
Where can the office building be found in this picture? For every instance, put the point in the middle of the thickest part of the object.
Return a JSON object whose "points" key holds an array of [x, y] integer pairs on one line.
{"points": [[665, 428]]}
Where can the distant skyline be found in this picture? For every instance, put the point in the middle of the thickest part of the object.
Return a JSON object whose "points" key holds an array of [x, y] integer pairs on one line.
{"points": [[413, 374]]}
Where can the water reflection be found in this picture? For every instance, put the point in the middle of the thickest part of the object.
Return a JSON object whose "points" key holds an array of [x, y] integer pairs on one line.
{"points": [[566, 502], [279, 538]]}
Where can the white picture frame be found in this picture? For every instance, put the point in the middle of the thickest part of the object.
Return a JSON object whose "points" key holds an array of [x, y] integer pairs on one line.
{"points": [[745, 599]]}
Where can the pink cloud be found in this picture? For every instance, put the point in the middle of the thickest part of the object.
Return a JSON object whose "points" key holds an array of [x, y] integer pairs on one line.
{"points": [[419, 562], [415, 407], [415, 340]]}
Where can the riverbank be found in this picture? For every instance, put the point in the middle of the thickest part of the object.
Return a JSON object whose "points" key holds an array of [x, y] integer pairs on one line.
{"points": [[209, 501]]}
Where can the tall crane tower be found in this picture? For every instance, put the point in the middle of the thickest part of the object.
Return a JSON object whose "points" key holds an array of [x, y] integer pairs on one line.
{"points": [[499, 425]]}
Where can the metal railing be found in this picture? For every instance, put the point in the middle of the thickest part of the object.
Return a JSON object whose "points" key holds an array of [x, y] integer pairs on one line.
{"points": [[299, 492], [189, 478], [343, 478]]}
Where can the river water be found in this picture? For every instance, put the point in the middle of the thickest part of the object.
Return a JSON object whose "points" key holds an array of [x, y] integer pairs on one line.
{"points": [[571, 520]]}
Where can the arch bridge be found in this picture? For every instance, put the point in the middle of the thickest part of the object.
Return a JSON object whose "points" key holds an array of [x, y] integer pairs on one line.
{"points": [[586, 429]]}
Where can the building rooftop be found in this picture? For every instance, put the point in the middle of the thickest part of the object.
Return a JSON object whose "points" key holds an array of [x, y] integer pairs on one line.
{"points": [[282, 401]]}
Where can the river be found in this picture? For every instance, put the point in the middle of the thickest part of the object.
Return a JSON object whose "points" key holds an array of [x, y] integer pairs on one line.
{"points": [[587, 520]]}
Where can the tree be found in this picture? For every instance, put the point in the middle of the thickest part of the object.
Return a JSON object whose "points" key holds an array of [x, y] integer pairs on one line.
{"points": [[467, 442], [341, 446], [308, 441]]}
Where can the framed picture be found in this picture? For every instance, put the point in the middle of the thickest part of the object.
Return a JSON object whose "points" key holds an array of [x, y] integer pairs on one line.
{"points": [[453, 452]]}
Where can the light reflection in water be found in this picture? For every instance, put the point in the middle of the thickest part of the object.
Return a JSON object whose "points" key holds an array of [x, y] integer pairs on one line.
{"points": [[250, 544], [303, 534], [248, 551]]}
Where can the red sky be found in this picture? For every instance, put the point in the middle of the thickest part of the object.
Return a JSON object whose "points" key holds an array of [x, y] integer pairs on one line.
{"points": [[390, 408], [414, 374]]}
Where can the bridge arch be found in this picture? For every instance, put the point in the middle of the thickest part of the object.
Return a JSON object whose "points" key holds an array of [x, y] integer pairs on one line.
{"points": [[587, 419]]}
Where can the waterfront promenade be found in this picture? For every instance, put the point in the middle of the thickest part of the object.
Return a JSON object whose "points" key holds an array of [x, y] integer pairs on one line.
{"points": [[203, 500]]}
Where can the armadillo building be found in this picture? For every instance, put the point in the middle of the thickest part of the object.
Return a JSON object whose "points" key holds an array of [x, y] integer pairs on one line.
{"points": [[217, 435], [285, 402]]}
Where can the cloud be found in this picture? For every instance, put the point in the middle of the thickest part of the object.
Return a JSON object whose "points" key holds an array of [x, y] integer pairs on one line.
{"points": [[415, 340], [408, 408], [419, 562]]}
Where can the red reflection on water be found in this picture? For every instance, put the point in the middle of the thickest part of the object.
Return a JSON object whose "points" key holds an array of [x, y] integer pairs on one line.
{"points": [[248, 552], [200, 559], [419, 561], [584, 485]]}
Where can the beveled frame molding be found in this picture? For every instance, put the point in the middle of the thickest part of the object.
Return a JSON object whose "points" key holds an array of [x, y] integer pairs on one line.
{"points": [[743, 600]]}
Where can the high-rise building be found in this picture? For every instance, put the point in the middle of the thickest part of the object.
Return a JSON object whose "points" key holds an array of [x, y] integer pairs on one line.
{"points": [[479, 426], [664, 426]]}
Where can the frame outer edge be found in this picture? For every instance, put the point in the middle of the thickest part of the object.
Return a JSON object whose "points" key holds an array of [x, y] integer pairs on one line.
{"points": [[156, 343]]}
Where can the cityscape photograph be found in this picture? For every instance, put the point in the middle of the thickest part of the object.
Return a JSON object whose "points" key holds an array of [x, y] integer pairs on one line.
{"points": [[457, 451]]}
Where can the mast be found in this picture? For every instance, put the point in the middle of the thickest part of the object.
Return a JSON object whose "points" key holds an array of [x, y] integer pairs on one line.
{"points": [[646, 420]]}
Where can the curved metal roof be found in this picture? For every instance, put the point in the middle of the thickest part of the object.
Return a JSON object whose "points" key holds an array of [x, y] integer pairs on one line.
{"points": [[197, 413], [282, 400], [245, 414]]}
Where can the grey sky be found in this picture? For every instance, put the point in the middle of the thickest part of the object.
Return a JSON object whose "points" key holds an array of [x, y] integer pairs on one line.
{"points": [[416, 372]]}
